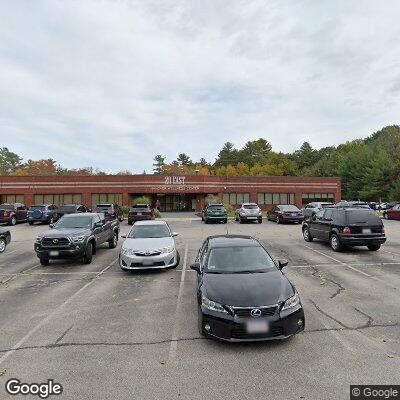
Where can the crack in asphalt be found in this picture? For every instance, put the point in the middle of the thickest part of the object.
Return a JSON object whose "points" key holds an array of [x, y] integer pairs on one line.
{"points": [[370, 319], [328, 315], [63, 335], [340, 289]]}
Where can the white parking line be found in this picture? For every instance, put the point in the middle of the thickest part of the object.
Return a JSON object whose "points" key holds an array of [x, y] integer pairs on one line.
{"points": [[52, 314], [174, 338], [20, 273]]}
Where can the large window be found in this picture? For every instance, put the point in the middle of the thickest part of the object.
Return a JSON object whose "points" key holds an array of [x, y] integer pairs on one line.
{"points": [[57, 199], [276, 198], [13, 198], [236, 198], [310, 197], [113, 198]]}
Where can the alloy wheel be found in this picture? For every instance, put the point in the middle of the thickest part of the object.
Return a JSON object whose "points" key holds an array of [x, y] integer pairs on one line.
{"points": [[2, 245]]}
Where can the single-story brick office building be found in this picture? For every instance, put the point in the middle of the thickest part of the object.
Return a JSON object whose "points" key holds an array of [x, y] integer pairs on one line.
{"points": [[175, 193]]}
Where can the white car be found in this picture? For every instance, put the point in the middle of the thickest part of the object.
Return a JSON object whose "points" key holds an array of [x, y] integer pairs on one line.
{"points": [[149, 245], [248, 212]]}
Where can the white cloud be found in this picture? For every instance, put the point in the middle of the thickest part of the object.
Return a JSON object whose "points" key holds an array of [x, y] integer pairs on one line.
{"points": [[110, 84]]}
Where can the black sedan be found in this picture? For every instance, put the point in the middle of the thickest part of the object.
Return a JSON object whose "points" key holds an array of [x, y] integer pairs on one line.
{"points": [[5, 239], [243, 294], [285, 213]]}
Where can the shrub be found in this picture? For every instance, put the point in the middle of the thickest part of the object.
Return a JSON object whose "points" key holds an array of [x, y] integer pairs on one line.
{"points": [[210, 199], [142, 200], [157, 213]]}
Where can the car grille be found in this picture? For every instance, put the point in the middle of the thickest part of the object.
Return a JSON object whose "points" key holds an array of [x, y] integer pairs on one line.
{"points": [[246, 312], [241, 333], [147, 253], [50, 242], [141, 265]]}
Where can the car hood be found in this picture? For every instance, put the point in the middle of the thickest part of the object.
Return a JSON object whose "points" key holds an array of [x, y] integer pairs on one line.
{"points": [[148, 243], [66, 232], [247, 290]]}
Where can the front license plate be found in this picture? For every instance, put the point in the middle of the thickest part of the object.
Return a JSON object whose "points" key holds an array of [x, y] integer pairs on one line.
{"points": [[147, 262], [257, 327], [366, 230], [251, 217], [54, 253]]}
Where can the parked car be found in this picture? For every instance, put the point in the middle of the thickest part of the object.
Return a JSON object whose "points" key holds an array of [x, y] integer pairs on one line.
{"points": [[285, 213], [149, 245], [72, 209], [242, 294], [76, 236], [392, 213], [248, 212], [111, 211], [312, 208], [5, 239], [43, 213], [214, 212], [345, 203], [140, 212], [391, 204], [345, 226], [13, 213]]}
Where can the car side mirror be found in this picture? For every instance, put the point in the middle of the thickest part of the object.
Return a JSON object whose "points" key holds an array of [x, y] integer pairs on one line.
{"points": [[283, 263], [195, 267], [174, 234], [98, 224], [51, 226], [123, 236]]}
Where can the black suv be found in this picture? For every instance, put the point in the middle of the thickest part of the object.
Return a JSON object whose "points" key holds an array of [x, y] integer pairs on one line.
{"points": [[345, 226], [76, 236], [111, 211]]}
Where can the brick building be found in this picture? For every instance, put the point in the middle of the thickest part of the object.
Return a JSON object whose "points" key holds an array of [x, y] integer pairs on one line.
{"points": [[175, 193]]}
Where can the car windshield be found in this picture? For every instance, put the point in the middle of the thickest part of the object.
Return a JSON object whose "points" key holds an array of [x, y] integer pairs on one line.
{"points": [[250, 206], [103, 206], [216, 207], [289, 208], [37, 207], [240, 259], [363, 216], [140, 206], [67, 209], [6, 207], [149, 231], [74, 222]]}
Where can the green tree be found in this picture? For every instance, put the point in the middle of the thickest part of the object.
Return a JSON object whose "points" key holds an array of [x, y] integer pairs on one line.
{"points": [[255, 152], [227, 156], [159, 162], [9, 161], [184, 160], [306, 156]]}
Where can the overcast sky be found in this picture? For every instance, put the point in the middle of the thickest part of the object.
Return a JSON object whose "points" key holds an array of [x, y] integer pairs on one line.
{"points": [[109, 84]]}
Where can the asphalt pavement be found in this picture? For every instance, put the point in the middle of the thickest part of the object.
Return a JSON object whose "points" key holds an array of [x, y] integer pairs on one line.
{"points": [[103, 333]]}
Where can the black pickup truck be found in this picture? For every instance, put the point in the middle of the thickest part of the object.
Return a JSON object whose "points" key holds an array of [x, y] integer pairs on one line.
{"points": [[76, 236]]}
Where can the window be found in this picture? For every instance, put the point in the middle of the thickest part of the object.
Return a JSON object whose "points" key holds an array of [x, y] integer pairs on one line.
{"points": [[276, 198], [112, 198], [317, 197], [13, 198], [57, 199], [236, 198]]}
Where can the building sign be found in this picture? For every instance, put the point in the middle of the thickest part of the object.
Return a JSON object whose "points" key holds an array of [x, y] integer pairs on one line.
{"points": [[175, 184], [174, 180]]}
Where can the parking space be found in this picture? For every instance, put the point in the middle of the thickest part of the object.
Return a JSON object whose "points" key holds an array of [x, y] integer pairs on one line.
{"points": [[105, 333]]}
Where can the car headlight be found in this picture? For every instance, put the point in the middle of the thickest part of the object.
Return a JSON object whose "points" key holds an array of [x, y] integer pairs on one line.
{"points": [[212, 305], [291, 302], [242, 213], [78, 239], [126, 252], [38, 239], [168, 249]]}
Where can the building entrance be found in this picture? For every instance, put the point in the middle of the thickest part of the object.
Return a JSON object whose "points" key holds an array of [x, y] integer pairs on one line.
{"points": [[176, 202]]}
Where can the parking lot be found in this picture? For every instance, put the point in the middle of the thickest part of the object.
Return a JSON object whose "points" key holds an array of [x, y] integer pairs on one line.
{"points": [[105, 333]]}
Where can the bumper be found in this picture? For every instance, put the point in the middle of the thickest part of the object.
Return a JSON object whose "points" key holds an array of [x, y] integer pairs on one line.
{"points": [[75, 251], [250, 217], [132, 262], [5, 220], [42, 219], [362, 241], [216, 217], [232, 329], [292, 219]]}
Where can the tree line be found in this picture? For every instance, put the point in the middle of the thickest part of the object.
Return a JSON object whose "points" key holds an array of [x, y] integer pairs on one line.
{"points": [[369, 168]]}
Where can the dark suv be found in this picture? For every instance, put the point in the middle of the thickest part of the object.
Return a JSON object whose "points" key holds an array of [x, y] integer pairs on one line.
{"points": [[345, 226], [42, 213], [13, 213], [140, 212], [111, 211], [72, 209]]}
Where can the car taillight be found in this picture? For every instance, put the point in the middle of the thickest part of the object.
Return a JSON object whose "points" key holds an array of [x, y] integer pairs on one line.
{"points": [[5, 213], [383, 230], [346, 231]]}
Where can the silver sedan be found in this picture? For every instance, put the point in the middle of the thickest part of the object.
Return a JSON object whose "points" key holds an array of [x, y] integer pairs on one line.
{"points": [[149, 245]]}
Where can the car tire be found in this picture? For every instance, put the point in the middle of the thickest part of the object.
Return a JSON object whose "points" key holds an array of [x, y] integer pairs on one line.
{"points": [[3, 245], [112, 243], [87, 258], [260, 221], [130, 223], [205, 220], [240, 220], [13, 221], [374, 247], [278, 220], [200, 323], [44, 261], [51, 221], [30, 223], [335, 242], [225, 221], [307, 235]]}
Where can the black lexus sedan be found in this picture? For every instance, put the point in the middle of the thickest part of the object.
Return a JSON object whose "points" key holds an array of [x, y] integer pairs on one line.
{"points": [[243, 294]]}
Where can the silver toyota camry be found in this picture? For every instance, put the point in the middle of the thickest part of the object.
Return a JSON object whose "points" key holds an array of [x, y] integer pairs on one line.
{"points": [[149, 244]]}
